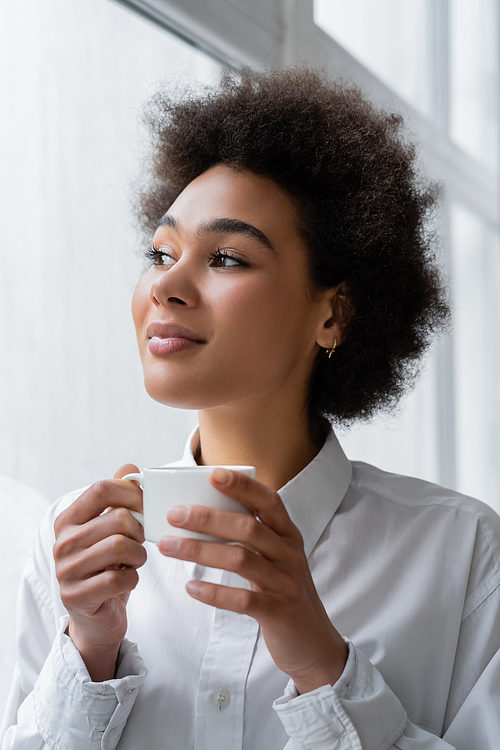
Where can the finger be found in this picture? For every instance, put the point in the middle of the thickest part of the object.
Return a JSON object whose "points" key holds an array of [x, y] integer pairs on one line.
{"points": [[91, 593], [126, 469], [235, 527], [242, 601], [97, 498], [264, 501], [74, 539], [113, 521], [232, 557], [115, 551]]}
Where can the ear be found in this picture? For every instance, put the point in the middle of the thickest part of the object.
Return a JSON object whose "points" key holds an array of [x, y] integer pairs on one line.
{"points": [[336, 311]]}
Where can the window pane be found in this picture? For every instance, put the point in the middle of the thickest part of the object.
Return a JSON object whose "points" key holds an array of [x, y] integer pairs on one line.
{"points": [[476, 281], [405, 442], [474, 78], [388, 36]]}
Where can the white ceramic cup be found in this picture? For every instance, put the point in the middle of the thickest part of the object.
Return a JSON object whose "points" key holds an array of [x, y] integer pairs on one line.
{"points": [[166, 486]]}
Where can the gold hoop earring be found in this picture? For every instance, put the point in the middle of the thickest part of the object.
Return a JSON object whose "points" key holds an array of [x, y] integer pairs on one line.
{"points": [[332, 350]]}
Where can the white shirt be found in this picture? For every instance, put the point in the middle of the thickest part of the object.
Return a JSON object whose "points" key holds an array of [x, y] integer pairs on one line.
{"points": [[21, 508], [409, 572]]}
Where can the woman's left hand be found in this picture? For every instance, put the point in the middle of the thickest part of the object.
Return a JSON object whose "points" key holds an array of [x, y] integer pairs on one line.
{"points": [[270, 556]]}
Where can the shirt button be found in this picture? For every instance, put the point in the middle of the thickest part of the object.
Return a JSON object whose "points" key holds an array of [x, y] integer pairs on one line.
{"points": [[221, 698]]}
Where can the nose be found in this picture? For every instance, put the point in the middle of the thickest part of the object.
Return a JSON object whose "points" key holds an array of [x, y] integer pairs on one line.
{"points": [[175, 286]]}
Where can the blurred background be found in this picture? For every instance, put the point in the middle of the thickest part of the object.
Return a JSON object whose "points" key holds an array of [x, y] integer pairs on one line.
{"points": [[74, 75]]}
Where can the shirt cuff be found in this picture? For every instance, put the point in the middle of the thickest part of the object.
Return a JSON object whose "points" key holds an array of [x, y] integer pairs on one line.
{"points": [[73, 711], [358, 712]]}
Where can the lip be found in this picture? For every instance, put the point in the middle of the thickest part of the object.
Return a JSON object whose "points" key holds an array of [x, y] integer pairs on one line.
{"points": [[165, 330], [169, 338]]}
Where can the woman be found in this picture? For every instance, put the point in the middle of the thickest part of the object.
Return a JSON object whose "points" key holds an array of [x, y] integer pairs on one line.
{"points": [[290, 282]]}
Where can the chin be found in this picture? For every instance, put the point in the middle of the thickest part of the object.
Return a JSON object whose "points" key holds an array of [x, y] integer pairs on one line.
{"points": [[170, 397], [181, 395]]}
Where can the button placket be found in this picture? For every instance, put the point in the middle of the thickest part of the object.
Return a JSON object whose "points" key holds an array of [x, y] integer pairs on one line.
{"points": [[223, 677]]}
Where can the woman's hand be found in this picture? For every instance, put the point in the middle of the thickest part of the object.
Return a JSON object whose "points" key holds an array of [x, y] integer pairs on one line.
{"points": [[97, 555], [270, 555]]}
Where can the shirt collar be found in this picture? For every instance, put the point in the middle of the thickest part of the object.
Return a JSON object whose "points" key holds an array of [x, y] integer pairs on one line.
{"points": [[190, 448], [312, 496]]}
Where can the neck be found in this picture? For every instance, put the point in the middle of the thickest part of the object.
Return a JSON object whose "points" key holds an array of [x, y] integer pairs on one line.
{"points": [[278, 445]]}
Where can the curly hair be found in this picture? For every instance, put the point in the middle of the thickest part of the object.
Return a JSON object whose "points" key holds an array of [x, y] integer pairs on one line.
{"points": [[363, 212]]}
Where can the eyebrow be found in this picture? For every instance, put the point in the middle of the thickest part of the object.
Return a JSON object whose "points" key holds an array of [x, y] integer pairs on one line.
{"points": [[223, 226]]}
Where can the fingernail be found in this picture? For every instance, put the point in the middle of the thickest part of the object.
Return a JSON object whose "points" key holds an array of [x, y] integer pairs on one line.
{"points": [[178, 514], [193, 587], [169, 543], [222, 476]]}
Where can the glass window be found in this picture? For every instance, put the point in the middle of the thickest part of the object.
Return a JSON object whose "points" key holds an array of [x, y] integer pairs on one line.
{"points": [[476, 336], [389, 37], [474, 78], [404, 442]]}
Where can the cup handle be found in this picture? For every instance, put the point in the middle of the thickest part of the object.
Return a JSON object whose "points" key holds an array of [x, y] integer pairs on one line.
{"points": [[138, 478], [138, 516]]}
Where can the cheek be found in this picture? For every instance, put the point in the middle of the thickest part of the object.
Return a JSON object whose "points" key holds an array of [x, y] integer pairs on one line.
{"points": [[140, 301], [262, 308]]}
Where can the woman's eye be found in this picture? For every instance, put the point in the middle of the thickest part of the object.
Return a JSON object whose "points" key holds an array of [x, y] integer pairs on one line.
{"points": [[223, 259], [159, 256]]}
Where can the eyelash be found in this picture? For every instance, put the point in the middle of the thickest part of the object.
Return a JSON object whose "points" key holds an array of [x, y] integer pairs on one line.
{"points": [[152, 254], [218, 253]]}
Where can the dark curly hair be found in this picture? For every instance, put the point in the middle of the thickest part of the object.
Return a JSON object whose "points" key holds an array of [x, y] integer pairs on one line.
{"points": [[363, 211]]}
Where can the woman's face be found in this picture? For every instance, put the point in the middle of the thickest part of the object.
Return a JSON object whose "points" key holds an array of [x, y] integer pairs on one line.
{"points": [[224, 314]]}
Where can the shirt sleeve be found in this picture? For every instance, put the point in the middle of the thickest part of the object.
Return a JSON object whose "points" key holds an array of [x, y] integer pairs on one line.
{"points": [[66, 709], [71, 710], [362, 715], [360, 712], [53, 703]]}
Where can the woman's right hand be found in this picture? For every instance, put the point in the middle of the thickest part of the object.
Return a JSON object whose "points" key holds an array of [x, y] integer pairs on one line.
{"points": [[97, 555]]}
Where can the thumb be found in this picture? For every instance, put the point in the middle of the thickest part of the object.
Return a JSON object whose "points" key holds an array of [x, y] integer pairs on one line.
{"points": [[125, 469]]}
